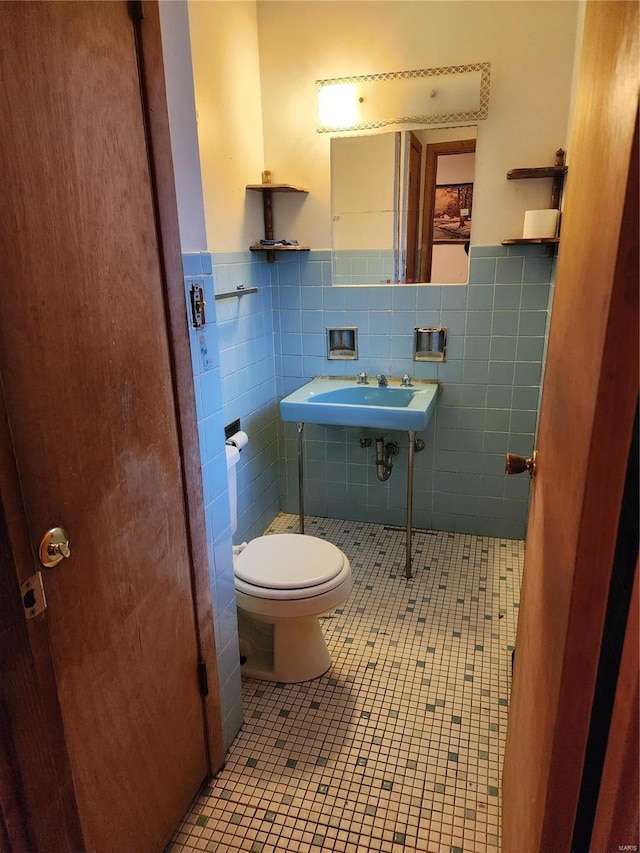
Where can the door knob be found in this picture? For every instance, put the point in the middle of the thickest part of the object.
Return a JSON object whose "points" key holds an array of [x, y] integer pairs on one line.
{"points": [[54, 547], [519, 464]]}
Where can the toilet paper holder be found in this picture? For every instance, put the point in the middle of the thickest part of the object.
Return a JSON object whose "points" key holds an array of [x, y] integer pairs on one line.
{"points": [[234, 436]]}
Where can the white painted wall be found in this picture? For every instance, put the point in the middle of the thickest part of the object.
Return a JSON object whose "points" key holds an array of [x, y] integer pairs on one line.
{"points": [[456, 169], [280, 47], [224, 48], [174, 24], [531, 49]]}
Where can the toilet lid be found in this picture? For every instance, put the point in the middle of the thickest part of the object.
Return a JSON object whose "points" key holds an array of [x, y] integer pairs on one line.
{"points": [[288, 561]]}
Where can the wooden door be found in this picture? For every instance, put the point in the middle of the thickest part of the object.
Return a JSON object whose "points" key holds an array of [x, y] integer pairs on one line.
{"points": [[413, 207], [586, 419], [90, 439]]}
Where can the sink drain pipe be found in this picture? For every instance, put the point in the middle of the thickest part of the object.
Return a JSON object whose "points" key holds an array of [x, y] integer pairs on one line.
{"points": [[384, 455], [384, 464]]}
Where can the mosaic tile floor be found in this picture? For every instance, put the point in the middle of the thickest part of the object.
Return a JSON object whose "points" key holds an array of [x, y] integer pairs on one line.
{"points": [[399, 746]]}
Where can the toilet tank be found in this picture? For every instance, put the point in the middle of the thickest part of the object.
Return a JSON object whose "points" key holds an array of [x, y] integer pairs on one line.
{"points": [[233, 455]]}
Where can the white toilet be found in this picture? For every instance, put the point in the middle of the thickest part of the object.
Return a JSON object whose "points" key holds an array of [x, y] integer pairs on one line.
{"points": [[284, 582]]}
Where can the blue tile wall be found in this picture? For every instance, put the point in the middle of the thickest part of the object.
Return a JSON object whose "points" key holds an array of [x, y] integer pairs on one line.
{"points": [[490, 388], [247, 371], [364, 266], [209, 409]]}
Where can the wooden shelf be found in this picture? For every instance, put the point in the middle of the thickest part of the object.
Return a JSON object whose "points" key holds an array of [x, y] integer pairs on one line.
{"points": [[257, 247], [542, 172], [267, 191], [557, 173], [276, 188], [514, 241]]}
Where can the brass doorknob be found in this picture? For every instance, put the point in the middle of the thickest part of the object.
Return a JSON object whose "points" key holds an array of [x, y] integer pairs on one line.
{"points": [[519, 464], [54, 547]]}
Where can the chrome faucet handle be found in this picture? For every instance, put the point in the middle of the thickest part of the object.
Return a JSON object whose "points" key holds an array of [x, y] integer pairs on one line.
{"points": [[406, 381], [382, 380], [361, 379]]}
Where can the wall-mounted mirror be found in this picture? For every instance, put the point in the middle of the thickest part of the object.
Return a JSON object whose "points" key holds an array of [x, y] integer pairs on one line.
{"points": [[401, 206]]}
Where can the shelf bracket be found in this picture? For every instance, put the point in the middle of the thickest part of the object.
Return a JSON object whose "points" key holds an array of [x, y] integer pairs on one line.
{"points": [[267, 207], [558, 180]]}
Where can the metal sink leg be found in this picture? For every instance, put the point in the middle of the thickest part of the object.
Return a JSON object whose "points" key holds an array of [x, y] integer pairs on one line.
{"points": [[412, 448], [301, 476]]}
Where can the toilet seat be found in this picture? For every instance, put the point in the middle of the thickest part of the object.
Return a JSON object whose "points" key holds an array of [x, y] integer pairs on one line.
{"points": [[289, 566]]}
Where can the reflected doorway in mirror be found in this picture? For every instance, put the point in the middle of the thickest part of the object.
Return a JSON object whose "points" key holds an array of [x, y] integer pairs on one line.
{"points": [[446, 230], [383, 189]]}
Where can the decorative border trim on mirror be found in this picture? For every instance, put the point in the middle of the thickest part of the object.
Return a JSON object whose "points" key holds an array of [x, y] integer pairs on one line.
{"points": [[437, 118]]}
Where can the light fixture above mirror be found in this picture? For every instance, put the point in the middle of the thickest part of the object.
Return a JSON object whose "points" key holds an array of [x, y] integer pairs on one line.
{"points": [[426, 96]]}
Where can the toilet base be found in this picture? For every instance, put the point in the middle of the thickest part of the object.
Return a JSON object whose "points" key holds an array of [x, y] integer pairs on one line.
{"points": [[289, 650]]}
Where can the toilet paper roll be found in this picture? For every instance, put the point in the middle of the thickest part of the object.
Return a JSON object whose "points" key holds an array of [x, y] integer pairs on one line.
{"points": [[238, 439], [540, 223], [233, 455]]}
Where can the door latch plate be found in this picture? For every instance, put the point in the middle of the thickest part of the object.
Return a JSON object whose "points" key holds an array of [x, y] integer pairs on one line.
{"points": [[33, 598], [196, 298]]}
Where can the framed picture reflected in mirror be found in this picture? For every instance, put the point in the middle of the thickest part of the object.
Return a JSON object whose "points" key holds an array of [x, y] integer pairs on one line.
{"points": [[452, 213]]}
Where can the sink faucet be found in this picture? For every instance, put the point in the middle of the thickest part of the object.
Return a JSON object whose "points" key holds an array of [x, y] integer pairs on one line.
{"points": [[406, 381], [362, 379], [382, 380]]}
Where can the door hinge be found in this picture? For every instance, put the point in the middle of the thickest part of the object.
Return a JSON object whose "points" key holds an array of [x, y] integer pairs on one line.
{"points": [[33, 597], [203, 681], [135, 10]]}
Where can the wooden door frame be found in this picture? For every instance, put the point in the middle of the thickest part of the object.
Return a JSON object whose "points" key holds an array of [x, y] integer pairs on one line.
{"points": [[412, 233], [433, 151], [166, 208], [38, 808]]}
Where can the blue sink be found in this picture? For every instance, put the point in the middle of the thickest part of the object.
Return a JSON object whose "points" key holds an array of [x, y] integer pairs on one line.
{"points": [[342, 402]]}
